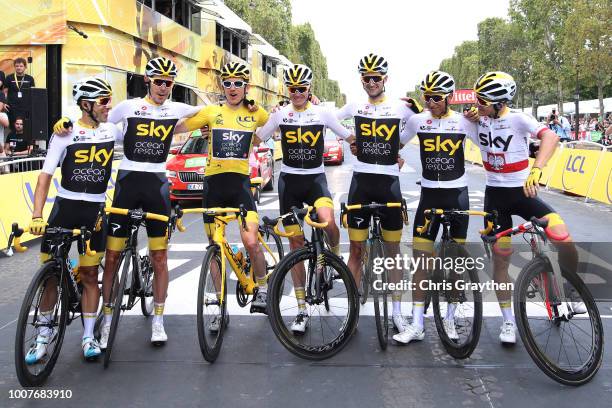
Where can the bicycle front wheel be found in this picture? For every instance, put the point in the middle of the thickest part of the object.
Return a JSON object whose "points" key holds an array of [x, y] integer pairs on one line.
{"points": [[379, 294], [326, 332], [117, 297], [146, 296], [41, 326], [457, 302], [568, 349], [212, 311], [364, 281]]}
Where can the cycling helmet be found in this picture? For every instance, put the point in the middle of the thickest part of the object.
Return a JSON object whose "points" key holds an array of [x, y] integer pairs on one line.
{"points": [[235, 70], [297, 75], [161, 66], [495, 86], [373, 64], [438, 82], [91, 89]]}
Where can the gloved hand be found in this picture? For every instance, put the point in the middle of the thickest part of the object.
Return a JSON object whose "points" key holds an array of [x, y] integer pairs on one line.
{"points": [[37, 226], [532, 184], [62, 127]]}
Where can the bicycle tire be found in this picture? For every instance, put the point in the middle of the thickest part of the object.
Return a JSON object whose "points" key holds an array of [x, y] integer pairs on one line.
{"points": [[146, 296], [588, 370], [381, 304], [210, 350], [128, 257], [457, 349], [276, 288], [27, 379], [364, 282]]}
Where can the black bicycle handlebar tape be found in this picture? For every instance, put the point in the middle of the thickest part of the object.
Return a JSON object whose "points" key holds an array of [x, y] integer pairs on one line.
{"points": [[243, 214], [268, 221], [542, 223], [17, 232], [431, 220], [491, 239]]}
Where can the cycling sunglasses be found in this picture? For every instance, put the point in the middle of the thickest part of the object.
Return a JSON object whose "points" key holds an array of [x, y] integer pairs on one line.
{"points": [[236, 84], [367, 78], [104, 100], [483, 102], [298, 89], [160, 82], [434, 98]]}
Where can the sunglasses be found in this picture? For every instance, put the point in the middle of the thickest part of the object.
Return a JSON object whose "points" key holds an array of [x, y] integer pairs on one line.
{"points": [[376, 78], [160, 82], [236, 84], [434, 98], [298, 89], [483, 102], [105, 100]]}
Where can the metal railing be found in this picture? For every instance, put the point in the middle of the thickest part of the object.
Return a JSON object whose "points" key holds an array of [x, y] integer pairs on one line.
{"points": [[18, 164]]}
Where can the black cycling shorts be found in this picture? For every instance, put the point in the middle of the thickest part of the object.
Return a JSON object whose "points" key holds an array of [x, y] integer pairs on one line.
{"points": [[229, 190], [145, 190], [509, 201], [445, 199], [367, 188], [295, 190]]}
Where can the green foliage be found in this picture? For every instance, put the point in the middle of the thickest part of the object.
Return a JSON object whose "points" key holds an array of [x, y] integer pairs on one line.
{"points": [[272, 20]]}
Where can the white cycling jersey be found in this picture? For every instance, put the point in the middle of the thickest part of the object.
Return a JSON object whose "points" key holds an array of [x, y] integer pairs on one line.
{"points": [[86, 158], [504, 144], [302, 136], [148, 131], [441, 142], [379, 131]]}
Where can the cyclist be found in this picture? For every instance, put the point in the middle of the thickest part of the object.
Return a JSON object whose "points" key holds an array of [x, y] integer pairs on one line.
{"points": [[226, 178], [380, 134], [441, 132], [86, 161], [512, 188], [302, 178]]}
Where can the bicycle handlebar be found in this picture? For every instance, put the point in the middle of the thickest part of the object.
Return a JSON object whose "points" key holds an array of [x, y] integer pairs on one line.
{"points": [[489, 217]]}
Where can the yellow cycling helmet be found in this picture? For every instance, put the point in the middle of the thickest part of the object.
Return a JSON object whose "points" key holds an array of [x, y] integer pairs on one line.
{"points": [[297, 75], [438, 82], [495, 86], [161, 66], [373, 64], [235, 70]]}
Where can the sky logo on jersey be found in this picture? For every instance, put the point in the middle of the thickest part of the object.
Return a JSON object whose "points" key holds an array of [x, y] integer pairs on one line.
{"points": [[232, 137], [305, 137], [93, 155], [499, 142], [374, 129], [151, 129], [437, 144]]}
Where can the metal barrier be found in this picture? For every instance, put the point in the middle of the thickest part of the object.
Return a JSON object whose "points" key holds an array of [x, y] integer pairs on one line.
{"points": [[27, 163]]}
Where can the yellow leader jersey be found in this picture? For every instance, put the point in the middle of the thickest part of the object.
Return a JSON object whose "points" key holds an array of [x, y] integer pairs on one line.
{"points": [[231, 136]]}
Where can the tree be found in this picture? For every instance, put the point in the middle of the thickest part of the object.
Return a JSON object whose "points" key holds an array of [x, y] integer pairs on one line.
{"points": [[463, 65]]}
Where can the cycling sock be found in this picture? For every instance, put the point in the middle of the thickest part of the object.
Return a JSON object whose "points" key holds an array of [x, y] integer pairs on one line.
{"points": [[396, 298], [108, 313], [262, 283], [158, 318], [336, 249], [506, 311], [300, 295], [418, 309], [89, 321], [450, 312], [45, 318]]}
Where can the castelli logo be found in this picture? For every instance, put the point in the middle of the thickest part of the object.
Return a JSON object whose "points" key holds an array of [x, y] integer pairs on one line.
{"points": [[290, 113], [144, 108], [367, 107], [429, 121], [82, 132]]}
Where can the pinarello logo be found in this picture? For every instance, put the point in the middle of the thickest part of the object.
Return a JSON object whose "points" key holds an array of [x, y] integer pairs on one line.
{"points": [[429, 121], [144, 108], [82, 132]]}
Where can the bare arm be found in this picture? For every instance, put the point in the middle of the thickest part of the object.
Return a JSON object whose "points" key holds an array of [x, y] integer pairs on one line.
{"points": [[40, 194], [548, 145]]}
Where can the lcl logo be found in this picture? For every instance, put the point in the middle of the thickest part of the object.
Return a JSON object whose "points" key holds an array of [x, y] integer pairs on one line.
{"points": [[574, 164]]}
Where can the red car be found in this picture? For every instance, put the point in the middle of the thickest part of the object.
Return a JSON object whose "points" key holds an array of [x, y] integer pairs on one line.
{"points": [[185, 170], [333, 152]]}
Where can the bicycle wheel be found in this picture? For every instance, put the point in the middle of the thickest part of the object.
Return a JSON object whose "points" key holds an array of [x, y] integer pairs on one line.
{"points": [[326, 332], [457, 304], [381, 311], [117, 296], [212, 313], [570, 351], [39, 298], [364, 281], [146, 296]]}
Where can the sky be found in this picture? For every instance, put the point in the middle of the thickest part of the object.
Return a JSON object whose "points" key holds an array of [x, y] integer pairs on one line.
{"points": [[414, 36]]}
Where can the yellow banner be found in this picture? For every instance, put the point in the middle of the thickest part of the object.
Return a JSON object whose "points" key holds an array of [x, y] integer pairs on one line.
{"points": [[33, 22], [574, 170], [472, 152], [601, 189], [17, 200]]}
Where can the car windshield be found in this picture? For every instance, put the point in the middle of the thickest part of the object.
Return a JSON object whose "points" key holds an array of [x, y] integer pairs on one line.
{"points": [[195, 145]]}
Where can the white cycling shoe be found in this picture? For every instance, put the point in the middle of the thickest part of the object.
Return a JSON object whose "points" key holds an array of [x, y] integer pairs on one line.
{"points": [[300, 323], [508, 332], [158, 334], [104, 333], [412, 333], [400, 323], [91, 348], [449, 328], [38, 349]]}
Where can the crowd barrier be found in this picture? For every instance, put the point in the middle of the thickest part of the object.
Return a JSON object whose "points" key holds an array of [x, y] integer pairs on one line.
{"points": [[581, 171]]}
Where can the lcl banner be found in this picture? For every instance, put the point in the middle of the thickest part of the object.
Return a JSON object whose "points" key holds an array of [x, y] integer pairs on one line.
{"points": [[463, 96]]}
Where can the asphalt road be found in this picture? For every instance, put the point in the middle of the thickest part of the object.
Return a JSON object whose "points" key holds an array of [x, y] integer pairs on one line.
{"points": [[254, 370]]}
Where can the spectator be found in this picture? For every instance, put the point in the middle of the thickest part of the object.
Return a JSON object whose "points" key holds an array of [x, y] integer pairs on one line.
{"points": [[16, 83], [2, 79], [565, 129], [16, 143]]}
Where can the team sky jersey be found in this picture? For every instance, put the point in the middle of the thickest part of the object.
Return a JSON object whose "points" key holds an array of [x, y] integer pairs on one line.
{"points": [[302, 136], [441, 141], [379, 131], [86, 157], [504, 144], [231, 137], [148, 130]]}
